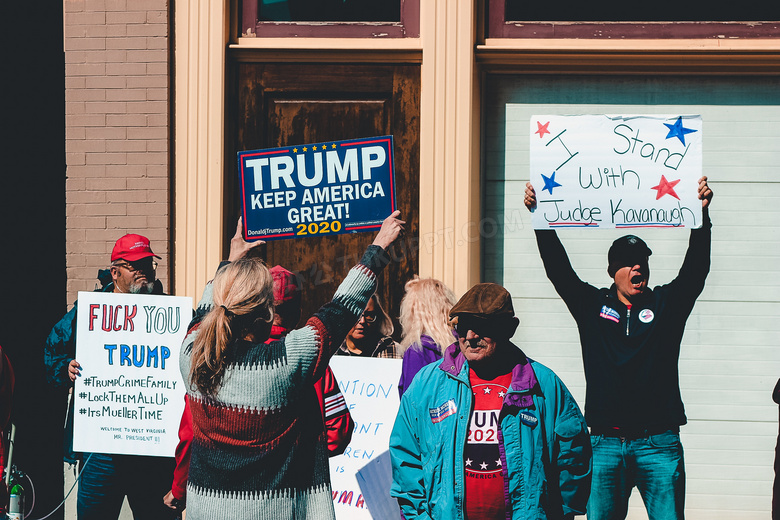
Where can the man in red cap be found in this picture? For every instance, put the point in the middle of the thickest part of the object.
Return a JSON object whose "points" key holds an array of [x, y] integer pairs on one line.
{"points": [[105, 478]]}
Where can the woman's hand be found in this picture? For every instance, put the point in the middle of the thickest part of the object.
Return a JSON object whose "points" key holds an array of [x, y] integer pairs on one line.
{"points": [[240, 247], [391, 229]]}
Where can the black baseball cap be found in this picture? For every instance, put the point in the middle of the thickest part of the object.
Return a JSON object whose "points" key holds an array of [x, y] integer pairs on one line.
{"points": [[628, 250]]}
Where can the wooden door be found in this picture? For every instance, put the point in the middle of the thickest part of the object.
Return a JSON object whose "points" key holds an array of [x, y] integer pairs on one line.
{"points": [[275, 105]]}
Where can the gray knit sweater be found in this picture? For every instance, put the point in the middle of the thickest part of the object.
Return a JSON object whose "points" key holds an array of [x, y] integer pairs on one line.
{"points": [[259, 449]]}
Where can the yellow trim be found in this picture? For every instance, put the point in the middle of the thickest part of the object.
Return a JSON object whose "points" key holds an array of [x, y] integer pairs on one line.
{"points": [[201, 36], [699, 56], [449, 145]]}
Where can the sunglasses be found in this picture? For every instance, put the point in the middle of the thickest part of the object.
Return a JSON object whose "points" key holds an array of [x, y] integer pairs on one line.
{"points": [[137, 266], [480, 327]]}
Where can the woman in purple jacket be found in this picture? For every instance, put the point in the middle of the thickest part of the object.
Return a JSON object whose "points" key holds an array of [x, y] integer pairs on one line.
{"points": [[424, 318]]}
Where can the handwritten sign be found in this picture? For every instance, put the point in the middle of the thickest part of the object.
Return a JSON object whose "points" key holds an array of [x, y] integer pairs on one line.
{"points": [[370, 387], [317, 189], [600, 171], [130, 396]]}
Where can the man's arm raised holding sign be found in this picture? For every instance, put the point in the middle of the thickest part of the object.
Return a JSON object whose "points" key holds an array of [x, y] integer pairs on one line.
{"points": [[567, 283], [630, 337]]}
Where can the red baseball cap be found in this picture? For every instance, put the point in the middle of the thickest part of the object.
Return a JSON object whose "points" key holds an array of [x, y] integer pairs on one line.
{"points": [[132, 247], [287, 295]]}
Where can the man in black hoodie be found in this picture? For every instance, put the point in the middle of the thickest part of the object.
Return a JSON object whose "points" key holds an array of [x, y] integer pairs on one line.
{"points": [[630, 337]]}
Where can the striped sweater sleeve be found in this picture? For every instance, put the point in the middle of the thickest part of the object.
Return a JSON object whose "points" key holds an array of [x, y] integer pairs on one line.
{"points": [[330, 325]]}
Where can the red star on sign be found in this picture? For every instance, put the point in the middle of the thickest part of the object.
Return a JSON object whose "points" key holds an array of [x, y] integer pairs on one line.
{"points": [[666, 188], [542, 129]]}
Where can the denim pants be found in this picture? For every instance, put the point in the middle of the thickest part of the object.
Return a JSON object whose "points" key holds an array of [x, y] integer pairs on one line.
{"points": [[106, 479], [653, 464]]}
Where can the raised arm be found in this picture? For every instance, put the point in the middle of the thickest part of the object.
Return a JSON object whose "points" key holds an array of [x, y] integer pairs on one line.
{"points": [[696, 265], [238, 249], [330, 325], [556, 262]]}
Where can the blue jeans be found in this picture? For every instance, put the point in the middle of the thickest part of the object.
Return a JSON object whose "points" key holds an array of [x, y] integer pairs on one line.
{"points": [[654, 465], [106, 479]]}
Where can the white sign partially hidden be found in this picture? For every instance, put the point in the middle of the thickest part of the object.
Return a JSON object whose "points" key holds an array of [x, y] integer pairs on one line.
{"points": [[600, 171], [130, 396], [370, 388]]}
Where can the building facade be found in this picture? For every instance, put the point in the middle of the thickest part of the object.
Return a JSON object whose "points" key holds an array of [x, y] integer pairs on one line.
{"points": [[162, 95]]}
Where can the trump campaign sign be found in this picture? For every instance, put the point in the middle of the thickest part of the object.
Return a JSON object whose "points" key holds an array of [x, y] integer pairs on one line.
{"points": [[317, 189]]}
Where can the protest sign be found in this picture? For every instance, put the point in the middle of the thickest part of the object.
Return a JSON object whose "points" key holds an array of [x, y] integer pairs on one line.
{"points": [[130, 396], [600, 171], [317, 189], [370, 388]]}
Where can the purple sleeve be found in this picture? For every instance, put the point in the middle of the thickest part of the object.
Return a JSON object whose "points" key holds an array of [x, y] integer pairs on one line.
{"points": [[415, 358]]}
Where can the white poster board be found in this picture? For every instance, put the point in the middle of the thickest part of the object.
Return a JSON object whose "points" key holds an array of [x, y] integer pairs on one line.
{"points": [[370, 388], [130, 396], [600, 171]]}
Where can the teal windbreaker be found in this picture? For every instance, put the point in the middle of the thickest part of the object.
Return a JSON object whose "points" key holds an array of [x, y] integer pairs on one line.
{"points": [[543, 442]]}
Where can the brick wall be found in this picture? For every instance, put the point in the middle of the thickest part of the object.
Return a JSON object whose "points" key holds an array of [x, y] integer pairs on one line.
{"points": [[117, 119]]}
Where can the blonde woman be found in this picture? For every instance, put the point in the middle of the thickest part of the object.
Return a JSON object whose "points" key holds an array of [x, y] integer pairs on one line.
{"points": [[258, 449], [425, 310]]}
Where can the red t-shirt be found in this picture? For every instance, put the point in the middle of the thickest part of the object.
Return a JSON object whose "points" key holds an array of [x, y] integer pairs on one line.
{"points": [[484, 477]]}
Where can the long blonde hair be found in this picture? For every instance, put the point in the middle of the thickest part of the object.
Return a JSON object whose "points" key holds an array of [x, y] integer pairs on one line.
{"points": [[425, 309], [243, 296]]}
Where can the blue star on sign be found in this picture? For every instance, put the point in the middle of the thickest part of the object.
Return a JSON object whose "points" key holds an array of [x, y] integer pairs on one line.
{"points": [[678, 130], [549, 182]]}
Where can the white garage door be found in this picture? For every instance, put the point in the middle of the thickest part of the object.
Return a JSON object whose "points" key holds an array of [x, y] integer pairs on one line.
{"points": [[730, 357]]}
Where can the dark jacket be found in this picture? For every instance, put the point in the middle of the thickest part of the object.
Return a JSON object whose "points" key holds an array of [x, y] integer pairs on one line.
{"points": [[60, 349], [631, 355]]}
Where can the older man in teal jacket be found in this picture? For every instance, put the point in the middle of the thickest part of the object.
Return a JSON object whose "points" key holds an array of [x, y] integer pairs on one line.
{"points": [[488, 433]]}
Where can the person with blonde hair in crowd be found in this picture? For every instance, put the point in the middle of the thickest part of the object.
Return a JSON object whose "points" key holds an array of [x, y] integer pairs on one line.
{"points": [[372, 334], [424, 319], [259, 450]]}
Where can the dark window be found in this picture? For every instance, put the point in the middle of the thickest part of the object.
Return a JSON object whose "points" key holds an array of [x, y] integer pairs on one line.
{"points": [[659, 19], [329, 10], [330, 18], [655, 11]]}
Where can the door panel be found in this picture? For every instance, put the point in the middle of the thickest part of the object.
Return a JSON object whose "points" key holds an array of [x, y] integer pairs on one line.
{"points": [[288, 104]]}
